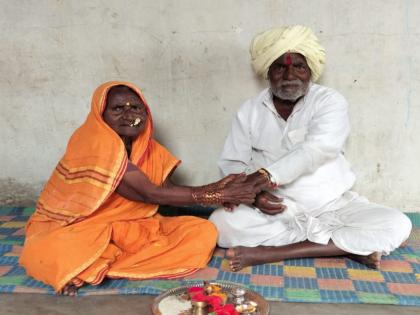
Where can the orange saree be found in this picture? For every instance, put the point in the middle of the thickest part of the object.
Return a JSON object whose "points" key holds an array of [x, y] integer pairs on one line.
{"points": [[83, 231]]}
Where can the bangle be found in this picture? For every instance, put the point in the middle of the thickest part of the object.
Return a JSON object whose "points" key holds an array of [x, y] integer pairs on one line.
{"points": [[206, 198]]}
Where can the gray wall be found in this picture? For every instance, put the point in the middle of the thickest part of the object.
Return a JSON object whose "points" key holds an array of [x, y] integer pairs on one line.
{"points": [[191, 60]]}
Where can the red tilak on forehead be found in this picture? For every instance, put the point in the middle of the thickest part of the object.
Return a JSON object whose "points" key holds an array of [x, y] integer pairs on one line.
{"points": [[288, 59]]}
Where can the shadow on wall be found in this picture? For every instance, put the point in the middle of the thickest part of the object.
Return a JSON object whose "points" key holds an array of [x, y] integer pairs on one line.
{"points": [[13, 193]]}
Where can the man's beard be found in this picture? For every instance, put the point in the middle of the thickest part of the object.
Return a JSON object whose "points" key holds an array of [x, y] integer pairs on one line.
{"points": [[297, 89]]}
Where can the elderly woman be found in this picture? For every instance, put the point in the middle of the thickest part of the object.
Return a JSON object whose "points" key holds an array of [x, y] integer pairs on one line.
{"points": [[97, 215]]}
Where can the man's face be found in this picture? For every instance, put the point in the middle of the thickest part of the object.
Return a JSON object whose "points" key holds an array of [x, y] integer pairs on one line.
{"points": [[289, 76], [125, 113]]}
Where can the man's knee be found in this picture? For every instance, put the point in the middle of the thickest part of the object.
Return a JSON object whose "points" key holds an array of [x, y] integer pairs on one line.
{"points": [[398, 224], [218, 216], [226, 232], [211, 233], [403, 225]]}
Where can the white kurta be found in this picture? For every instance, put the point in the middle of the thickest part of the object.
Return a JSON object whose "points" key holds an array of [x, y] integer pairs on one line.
{"points": [[305, 157]]}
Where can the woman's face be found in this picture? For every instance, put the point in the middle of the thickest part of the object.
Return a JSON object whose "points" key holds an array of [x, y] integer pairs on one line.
{"points": [[125, 112]]}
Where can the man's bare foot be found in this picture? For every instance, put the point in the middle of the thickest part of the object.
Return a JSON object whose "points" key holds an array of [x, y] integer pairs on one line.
{"points": [[241, 256], [372, 261], [69, 289]]}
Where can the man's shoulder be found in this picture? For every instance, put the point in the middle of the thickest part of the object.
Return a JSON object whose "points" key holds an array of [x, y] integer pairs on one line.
{"points": [[256, 101], [323, 92], [322, 97]]}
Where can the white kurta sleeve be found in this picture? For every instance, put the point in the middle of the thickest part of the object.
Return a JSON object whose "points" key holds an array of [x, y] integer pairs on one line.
{"points": [[236, 154], [325, 139]]}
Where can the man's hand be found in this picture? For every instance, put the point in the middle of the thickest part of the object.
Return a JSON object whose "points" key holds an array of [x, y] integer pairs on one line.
{"points": [[269, 203], [235, 189], [258, 181]]}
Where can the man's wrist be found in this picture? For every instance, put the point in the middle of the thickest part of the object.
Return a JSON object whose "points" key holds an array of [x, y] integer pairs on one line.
{"points": [[268, 176]]}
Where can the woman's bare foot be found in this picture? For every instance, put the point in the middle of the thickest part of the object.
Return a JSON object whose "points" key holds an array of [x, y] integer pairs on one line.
{"points": [[372, 261], [69, 289], [241, 256]]}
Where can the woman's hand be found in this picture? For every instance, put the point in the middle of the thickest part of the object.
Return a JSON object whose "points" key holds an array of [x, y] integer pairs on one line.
{"points": [[257, 180], [230, 190], [269, 203], [238, 190]]}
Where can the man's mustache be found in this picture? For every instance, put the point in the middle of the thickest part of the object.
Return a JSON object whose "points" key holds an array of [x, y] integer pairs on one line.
{"points": [[290, 83]]}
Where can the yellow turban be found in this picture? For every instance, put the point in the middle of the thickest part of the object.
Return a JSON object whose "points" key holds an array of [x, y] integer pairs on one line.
{"points": [[266, 47]]}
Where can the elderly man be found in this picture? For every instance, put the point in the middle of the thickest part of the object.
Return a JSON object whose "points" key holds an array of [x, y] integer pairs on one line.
{"points": [[293, 134]]}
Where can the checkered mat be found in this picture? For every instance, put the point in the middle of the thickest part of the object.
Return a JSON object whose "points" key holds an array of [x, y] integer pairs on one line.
{"points": [[327, 280]]}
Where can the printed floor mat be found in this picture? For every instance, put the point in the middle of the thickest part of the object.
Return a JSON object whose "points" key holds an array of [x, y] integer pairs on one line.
{"points": [[324, 280]]}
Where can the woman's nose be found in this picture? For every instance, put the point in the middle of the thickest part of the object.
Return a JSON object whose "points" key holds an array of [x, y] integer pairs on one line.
{"points": [[128, 115]]}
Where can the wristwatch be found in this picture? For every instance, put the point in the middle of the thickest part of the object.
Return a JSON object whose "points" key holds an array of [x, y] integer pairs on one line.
{"points": [[268, 176]]}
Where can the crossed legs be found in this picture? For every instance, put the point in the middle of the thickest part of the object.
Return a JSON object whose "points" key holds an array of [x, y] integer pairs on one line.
{"points": [[361, 231]]}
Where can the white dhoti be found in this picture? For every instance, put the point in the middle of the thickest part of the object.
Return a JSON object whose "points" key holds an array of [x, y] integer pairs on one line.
{"points": [[353, 223]]}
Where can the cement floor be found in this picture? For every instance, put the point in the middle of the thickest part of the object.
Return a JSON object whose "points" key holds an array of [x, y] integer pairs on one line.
{"points": [[34, 304]]}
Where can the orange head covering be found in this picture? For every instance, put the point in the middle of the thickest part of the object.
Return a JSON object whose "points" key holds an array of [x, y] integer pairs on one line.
{"points": [[93, 164]]}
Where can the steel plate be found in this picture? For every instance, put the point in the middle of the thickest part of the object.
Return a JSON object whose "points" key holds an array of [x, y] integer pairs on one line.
{"points": [[263, 306]]}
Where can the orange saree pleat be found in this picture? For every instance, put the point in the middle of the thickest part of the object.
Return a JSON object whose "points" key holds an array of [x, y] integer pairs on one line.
{"points": [[82, 231]]}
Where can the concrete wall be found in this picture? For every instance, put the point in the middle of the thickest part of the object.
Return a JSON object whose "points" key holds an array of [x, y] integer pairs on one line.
{"points": [[191, 59]]}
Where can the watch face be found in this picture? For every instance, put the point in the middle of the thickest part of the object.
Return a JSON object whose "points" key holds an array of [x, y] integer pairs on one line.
{"points": [[265, 174], [268, 176]]}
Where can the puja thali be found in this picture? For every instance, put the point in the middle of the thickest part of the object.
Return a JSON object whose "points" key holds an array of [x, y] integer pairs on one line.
{"points": [[176, 302]]}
